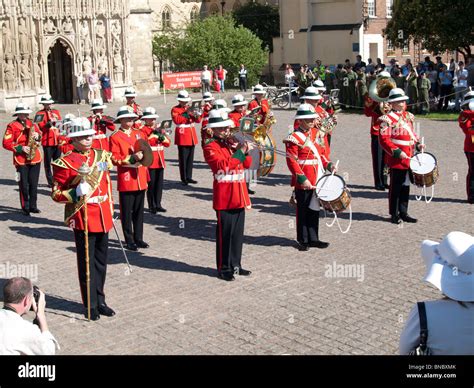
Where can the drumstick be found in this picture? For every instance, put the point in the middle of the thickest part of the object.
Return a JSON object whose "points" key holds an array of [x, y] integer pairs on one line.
{"points": [[422, 144]]}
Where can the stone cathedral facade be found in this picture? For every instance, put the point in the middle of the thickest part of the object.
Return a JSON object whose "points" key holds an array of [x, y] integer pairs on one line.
{"points": [[44, 44]]}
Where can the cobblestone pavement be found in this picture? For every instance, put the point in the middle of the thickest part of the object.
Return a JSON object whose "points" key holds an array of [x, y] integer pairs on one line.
{"points": [[172, 303]]}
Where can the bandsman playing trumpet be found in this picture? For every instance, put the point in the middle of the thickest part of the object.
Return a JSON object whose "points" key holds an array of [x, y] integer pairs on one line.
{"points": [[466, 122], [22, 137], [100, 123], [208, 133], [261, 102]]}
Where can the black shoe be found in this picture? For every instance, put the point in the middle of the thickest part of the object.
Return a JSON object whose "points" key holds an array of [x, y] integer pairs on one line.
{"points": [[26, 212], [319, 244], [302, 247], [152, 211], [184, 183], [380, 188], [161, 209], [95, 316], [251, 191], [35, 210], [243, 272], [142, 244], [407, 218], [132, 247], [395, 220], [192, 181], [228, 277], [106, 310], [386, 186]]}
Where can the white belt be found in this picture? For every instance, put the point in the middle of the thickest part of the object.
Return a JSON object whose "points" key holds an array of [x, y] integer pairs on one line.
{"points": [[97, 137], [403, 142], [98, 199], [136, 165], [230, 177], [311, 162], [157, 148], [184, 126]]}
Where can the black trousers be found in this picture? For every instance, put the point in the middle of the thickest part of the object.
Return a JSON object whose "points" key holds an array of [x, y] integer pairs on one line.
{"points": [[186, 160], [155, 188], [243, 84], [229, 239], [131, 214], [28, 184], [377, 161], [399, 193], [307, 220], [470, 177], [98, 247], [50, 154]]}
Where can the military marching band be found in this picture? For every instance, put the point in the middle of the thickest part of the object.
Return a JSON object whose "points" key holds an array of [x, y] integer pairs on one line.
{"points": [[79, 153]]}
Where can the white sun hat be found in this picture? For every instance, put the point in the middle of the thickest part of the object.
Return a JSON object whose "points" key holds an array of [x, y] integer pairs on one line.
{"points": [[218, 118], [125, 112], [130, 92], [98, 104], [238, 100], [258, 89], [305, 111], [319, 85], [79, 126], [21, 108], [397, 94], [311, 93], [149, 113], [46, 99], [183, 95]]}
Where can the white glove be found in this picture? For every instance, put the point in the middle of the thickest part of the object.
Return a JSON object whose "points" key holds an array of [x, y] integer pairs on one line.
{"points": [[83, 189]]}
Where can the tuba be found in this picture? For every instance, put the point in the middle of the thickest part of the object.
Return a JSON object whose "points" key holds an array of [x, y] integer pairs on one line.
{"points": [[380, 88]]}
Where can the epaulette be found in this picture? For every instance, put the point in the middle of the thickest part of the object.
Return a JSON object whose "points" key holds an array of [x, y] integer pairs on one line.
{"points": [[385, 119], [410, 116], [291, 139]]}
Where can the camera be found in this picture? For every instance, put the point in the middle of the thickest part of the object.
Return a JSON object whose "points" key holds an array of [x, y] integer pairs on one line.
{"points": [[36, 294]]}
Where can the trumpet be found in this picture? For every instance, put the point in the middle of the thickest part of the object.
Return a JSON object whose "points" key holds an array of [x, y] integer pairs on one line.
{"points": [[195, 109]]}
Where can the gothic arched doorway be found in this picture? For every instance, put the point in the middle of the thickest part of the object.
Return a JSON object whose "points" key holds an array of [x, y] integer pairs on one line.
{"points": [[60, 70]]}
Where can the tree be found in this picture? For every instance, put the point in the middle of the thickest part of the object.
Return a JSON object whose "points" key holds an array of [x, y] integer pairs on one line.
{"points": [[262, 20], [164, 45], [217, 41], [435, 24]]}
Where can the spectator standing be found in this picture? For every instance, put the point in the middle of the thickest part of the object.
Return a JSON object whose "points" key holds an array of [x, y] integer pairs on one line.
{"points": [[94, 86], [406, 67], [359, 63], [361, 84], [470, 71], [243, 78], [80, 82], [425, 86], [289, 75], [433, 77], [370, 66], [399, 79], [351, 88], [449, 268], [17, 335], [452, 67], [460, 81], [221, 76], [205, 80], [446, 83], [106, 85], [412, 87]]}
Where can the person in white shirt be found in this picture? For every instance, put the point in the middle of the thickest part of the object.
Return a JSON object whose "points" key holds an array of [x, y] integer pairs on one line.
{"points": [[243, 78], [450, 321], [205, 80], [17, 335], [460, 81]]}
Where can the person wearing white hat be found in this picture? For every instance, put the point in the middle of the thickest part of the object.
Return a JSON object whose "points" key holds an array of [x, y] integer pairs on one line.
{"points": [[100, 123], [259, 102], [449, 321], [130, 94], [306, 160], [65, 144], [240, 109], [207, 107], [185, 135], [132, 177], [95, 188], [466, 122], [399, 141], [157, 140], [22, 137], [47, 120], [228, 162]]}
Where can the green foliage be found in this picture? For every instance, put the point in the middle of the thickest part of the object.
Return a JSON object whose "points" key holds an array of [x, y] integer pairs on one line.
{"points": [[164, 46], [438, 25], [262, 20], [217, 41]]}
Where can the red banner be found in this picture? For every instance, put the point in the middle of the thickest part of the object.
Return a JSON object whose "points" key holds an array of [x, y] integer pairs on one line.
{"points": [[188, 79]]}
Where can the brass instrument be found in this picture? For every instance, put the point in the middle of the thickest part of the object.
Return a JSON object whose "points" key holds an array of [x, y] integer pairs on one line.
{"points": [[32, 143], [380, 88], [195, 109]]}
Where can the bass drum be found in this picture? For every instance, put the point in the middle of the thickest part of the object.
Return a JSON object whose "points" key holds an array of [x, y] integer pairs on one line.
{"points": [[263, 157]]}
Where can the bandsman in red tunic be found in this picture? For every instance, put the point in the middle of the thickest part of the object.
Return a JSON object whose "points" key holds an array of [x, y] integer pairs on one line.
{"points": [[130, 94], [240, 109], [65, 144], [132, 177], [230, 197], [399, 141], [466, 122], [100, 123], [158, 141], [48, 120], [22, 137], [185, 135], [208, 133], [82, 177], [261, 102], [307, 160]]}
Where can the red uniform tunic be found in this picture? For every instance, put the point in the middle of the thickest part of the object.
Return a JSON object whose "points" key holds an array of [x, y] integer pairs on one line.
{"points": [[50, 133], [466, 122], [236, 117], [320, 136], [229, 188], [185, 134], [372, 110], [157, 146], [130, 176], [101, 124], [302, 161], [16, 136], [99, 203], [264, 109], [396, 135]]}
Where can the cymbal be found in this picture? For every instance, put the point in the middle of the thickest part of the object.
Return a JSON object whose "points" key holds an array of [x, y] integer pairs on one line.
{"points": [[143, 146]]}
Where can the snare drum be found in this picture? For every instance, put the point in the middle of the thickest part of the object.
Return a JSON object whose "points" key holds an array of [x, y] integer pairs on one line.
{"points": [[424, 167], [333, 193]]}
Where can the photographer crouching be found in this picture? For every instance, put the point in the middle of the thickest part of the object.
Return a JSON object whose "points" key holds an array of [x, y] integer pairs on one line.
{"points": [[17, 335]]}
